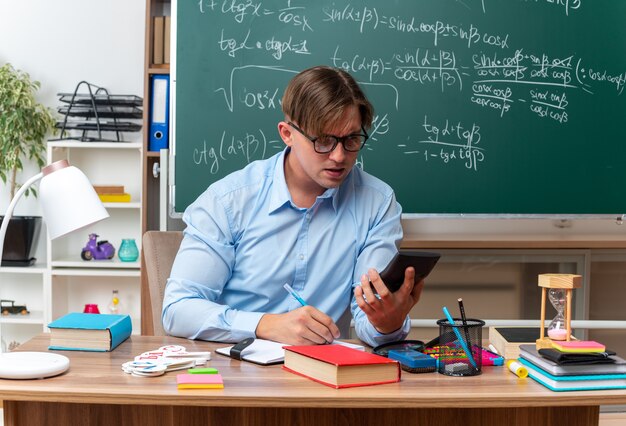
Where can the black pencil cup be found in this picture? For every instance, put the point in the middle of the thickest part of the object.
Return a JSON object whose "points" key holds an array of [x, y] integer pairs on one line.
{"points": [[460, 347]]}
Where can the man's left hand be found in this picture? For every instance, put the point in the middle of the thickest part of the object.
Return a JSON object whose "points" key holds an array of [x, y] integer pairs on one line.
{"points": [[387, 311]]}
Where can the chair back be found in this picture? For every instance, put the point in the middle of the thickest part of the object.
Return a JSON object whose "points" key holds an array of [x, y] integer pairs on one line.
{"points": [[159, 251]]}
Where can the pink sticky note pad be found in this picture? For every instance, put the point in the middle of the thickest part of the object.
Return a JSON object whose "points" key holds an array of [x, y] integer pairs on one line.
{"points": [[579, 346], [199, 379]]}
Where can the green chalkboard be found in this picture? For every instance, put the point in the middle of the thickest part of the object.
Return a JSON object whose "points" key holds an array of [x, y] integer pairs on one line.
{"points": [[482, 106]]}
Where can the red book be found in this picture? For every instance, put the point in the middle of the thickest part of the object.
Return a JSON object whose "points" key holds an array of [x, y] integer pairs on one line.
{"points": [[339, 366]]}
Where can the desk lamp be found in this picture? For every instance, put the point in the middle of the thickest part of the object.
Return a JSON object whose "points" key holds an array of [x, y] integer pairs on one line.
{"points": [[68, 202]]}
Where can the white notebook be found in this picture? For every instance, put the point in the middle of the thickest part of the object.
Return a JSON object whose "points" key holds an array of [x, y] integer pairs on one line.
{"points": [[260, 351], [267, 352]]}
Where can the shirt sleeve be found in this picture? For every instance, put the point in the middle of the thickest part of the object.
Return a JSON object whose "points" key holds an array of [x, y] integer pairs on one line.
{"points": [[381, 243], [200, 271]]}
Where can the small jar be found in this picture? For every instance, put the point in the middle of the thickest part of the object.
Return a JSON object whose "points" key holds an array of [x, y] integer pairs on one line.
{"points": [[128, 251], [91, 308]]}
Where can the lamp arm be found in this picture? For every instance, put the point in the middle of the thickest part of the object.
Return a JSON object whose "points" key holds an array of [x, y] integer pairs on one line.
{"points": [[9, 213]]}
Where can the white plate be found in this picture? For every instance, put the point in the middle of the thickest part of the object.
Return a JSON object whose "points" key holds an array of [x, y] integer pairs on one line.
{"points": [[32, 365]]}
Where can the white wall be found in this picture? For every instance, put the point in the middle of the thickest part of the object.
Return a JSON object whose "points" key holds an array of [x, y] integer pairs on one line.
{"points": [[63, 42]]}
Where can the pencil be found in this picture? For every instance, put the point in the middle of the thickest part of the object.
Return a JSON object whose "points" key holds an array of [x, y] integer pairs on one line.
{"points": [[464, 319]]}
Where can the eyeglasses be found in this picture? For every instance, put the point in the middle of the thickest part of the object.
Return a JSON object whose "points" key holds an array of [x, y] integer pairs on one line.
{"points": [[324, 144]]}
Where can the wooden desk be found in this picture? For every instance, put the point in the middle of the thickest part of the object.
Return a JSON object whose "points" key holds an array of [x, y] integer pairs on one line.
{"points": [[95, 391]]}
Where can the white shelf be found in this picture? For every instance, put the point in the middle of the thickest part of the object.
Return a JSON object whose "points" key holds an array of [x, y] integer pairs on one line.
{"points": [[37, 268], [131, 205], [34, 317], [76, 262], [95, 145], [75, 272], [61, 282]]}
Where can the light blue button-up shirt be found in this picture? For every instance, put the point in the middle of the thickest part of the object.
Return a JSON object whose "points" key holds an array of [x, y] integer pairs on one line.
{"points": [[245, 239]]}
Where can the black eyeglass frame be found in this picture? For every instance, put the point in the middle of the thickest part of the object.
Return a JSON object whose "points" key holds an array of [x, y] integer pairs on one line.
{"points": [[336, 138]]}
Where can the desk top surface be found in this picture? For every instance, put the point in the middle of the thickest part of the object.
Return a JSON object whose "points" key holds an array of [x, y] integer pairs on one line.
{"points": [[96, 377]]}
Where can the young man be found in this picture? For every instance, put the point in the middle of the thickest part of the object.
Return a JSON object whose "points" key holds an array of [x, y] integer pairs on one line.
{"points": [[306, 217]]}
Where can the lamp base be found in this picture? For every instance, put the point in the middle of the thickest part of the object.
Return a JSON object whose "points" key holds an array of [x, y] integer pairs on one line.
{"points": [[32, 365]]}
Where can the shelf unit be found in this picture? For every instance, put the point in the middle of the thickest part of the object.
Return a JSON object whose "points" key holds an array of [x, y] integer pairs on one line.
{"points": [[25, 285], [151, 159], [74, 282]]}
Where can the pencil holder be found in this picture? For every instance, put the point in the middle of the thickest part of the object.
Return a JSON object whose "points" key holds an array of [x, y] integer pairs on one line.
{"points": [[460, 347]]}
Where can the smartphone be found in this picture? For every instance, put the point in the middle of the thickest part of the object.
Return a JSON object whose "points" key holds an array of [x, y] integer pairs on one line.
{"points": [[422, 261]]}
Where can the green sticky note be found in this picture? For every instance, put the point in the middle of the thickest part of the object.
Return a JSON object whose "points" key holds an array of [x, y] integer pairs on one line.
{"points": [[202, 371]]}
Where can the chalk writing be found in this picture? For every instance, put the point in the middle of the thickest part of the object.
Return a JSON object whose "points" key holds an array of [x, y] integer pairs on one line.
{"points": [[477, 87], [450, 142], [566, 5], [247, 147]]}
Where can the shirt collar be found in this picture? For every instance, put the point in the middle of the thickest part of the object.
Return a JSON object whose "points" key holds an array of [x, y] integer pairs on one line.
{"points": [[280, 193]]}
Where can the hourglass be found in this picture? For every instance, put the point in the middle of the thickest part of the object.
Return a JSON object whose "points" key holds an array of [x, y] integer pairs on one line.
{"points": [[560, 295]]}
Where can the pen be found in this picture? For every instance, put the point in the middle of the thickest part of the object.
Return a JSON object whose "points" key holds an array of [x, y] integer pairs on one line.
{"points": [[464, 320], [295, 294], [458, 336]]}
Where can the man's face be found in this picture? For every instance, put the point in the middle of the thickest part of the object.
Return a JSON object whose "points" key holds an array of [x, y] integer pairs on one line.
{"points": [[315, 172]]}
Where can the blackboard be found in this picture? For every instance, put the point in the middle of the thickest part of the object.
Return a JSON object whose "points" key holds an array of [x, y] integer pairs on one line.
{"points": [[482, 106]]}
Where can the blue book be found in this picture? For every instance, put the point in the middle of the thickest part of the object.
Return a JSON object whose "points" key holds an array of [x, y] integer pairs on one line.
{"points": [[78, 331], [574, 383]]}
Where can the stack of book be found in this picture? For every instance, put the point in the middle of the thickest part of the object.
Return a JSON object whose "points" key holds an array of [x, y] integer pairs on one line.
{"points": [[608, 373], [112, 193], [161, 40]]}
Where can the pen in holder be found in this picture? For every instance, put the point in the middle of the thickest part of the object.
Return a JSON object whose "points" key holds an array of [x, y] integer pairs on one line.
{"points": [[457, 356]]}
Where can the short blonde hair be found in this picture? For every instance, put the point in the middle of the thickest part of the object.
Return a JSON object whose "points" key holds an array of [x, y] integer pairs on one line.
{"points": [[317, 98]]}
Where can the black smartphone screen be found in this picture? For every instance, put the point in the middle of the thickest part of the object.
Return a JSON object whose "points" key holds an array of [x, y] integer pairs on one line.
{"points": [[422, 261]]}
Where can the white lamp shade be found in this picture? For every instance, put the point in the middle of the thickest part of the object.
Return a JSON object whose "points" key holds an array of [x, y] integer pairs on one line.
{"points": [[68, 201]]}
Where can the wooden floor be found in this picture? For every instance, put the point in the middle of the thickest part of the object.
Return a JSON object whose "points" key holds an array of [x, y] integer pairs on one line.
{"points": [[612, 419]]}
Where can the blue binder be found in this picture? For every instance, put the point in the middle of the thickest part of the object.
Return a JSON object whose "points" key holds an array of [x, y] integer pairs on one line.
{"points": [[159, 112]]}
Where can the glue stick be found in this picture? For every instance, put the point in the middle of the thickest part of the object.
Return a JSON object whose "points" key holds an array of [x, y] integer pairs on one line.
{"points": [[517, 368]]}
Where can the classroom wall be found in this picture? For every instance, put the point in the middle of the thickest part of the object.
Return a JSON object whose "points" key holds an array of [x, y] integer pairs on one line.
{"points": [[63, 42]]}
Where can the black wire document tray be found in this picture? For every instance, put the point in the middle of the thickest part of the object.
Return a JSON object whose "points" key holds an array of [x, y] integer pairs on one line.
{"points": [[98, 111], [107, 126], [103, 111], [100, 99]]}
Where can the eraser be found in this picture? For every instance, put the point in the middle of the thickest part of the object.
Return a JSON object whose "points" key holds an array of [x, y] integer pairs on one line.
{"points": [[457, 367]]}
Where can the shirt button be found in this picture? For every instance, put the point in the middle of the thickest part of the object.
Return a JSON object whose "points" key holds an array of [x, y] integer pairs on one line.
{"points": [[301, 257]]}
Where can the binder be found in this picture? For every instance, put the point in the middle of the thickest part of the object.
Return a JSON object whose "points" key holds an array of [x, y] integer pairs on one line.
{"points": [[166, 39], [159, 112]]}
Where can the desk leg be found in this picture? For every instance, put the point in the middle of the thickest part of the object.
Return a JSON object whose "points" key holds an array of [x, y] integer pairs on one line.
{"points": [[23, 413]]}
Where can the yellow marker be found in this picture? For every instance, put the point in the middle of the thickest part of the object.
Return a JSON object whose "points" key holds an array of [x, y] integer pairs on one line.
{"points": [[517, 368]]}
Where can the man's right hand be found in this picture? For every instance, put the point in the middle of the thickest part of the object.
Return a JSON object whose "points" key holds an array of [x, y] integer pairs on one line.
{"points": [[302, 326]]}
